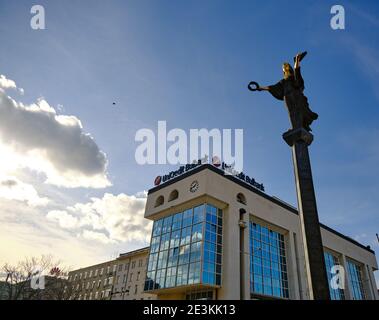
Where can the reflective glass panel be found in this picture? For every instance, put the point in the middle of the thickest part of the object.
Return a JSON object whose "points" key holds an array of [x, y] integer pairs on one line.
{"points": [[330, 262], [355, 279], [268, 267], [186, 248]]}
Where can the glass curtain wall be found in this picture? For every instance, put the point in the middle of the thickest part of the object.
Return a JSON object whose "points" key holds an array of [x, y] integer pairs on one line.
{"points": [[355, 277], [331, 261], [268, 266], [186, 249]]}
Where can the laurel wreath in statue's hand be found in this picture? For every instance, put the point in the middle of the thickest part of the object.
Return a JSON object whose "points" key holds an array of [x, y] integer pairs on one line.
{"points": [[254, 86]]}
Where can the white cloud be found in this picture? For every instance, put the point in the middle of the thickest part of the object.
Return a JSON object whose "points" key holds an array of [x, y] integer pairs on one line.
{"points": [[112, 218], [64, 219], [28, 234], [96, 236], [9, 84], [141, 194], [41, 149], [6, 83], [12, 188], [34, 136]]}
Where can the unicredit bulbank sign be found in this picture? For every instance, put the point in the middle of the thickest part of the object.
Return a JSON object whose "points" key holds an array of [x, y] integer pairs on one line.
{"points": [[227, 169]]}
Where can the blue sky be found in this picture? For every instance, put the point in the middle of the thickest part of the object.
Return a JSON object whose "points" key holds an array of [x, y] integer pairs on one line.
{"points": [[189, 63]]}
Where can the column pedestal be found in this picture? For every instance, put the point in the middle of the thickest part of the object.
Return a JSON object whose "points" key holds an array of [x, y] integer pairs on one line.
{"points": [[299, 140]]}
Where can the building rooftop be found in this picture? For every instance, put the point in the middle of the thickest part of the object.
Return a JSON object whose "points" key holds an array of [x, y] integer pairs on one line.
{"points": [[130, 253]]}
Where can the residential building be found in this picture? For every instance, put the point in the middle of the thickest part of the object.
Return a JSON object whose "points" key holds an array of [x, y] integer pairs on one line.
{"points": [[93, 282], [130, 276]]}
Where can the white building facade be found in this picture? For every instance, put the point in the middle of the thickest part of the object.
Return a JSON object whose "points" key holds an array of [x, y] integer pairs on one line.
{"points": [[216, 236]]}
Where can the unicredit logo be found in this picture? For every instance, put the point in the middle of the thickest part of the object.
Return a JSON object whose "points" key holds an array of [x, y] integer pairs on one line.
{"points": [[158, 180]]}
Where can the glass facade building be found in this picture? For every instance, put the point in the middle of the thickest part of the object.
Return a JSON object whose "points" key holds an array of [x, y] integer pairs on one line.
{"points": [[186, 249], [331, 261], [268, 266], [355, 279]]}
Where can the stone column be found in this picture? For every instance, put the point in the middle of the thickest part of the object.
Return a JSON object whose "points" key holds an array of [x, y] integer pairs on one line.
{"points": [[243, 225], [293, 268], [373, 283], [367, 284], [348, 290], [299, 140]]}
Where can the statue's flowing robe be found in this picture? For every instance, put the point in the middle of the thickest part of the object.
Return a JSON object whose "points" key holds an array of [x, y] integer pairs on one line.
{"points": [[291, 91]]}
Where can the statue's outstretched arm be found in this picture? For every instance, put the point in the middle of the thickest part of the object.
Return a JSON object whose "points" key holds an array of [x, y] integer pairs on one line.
{"points": [[298, 58], [297, 62], [276, 90]]}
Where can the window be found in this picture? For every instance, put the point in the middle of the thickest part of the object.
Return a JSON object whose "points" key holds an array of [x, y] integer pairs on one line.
{"points": [[96, 295], [268, 266], [131, 277], [177, 221], [138, 275], [85, 275], [135, 289], [355, 278], [173, 195], [177, 244], [241, 198], [133, 264], [90, 274], [140, 263], [120, 267], [187, 218], [159, 201], [170, 277], [124, 278], [93, 284], [212, 246], [331, 261], [165, 241], [96, 272], [126, 266], [101, 271]]}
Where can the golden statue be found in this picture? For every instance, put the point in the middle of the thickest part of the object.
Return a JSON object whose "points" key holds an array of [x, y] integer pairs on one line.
{"points": [[290, 89]]}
